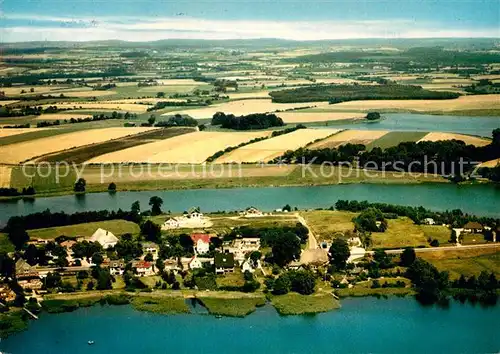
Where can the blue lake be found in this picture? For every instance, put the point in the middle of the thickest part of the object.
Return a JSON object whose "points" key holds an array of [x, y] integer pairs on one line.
{"points": [[362, 325], [482, 126]]}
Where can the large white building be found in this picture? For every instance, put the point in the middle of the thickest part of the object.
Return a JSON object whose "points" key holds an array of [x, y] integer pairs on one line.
{"points": [[105, 238]]}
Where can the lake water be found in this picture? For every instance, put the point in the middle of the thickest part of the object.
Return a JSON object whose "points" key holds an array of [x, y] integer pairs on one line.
{"points": [[396, 325], [482, 126], [475, 199]]}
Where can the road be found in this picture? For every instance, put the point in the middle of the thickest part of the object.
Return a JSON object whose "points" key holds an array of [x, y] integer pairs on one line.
{"points": [[446, 248]]}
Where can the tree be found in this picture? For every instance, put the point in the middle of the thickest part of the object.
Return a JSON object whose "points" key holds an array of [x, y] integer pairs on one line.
{"points": [[151, 119], [160, 94], [112, 187], [428, 281], [80, 186], [282, 285], [408, 257], [302, 282], [255, 256], [136, 207], [18, 237], [148, 257], [97, 258], [285, 248], [151, 231], [371, 219], [155, 202], [160, 265], [373, 116], [7, 266], [382, 259], [339, 253]]}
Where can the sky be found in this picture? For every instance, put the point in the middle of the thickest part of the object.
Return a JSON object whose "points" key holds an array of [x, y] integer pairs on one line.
{"points": [[146, 20]]}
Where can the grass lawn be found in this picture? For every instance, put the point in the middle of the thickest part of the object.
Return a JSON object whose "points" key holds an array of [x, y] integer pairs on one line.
{"points": [[57, 179], [150, 281], [394, 138], [230, 279], [325, 223], [358, 291], [5, 244], [472, 239], [226, 224], [117, 227], [466, 262], [296, 304], [164, 304], [401, 232], [234, 307], [438, 232]]}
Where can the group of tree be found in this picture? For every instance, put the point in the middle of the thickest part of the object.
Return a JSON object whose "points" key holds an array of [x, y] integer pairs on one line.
{"points": [[300, 281], [7, 111], [343, 93], [446, 157], [14, 192], [94, 118], [164, 104], [248, 122], [178, 120], [455, 217], [370, 220]]}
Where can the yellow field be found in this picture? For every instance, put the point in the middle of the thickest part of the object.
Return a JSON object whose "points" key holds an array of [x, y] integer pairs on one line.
{"points": [[436, 136], [245, 107], [461, 103], [24, 151], [7, 102], [180, 82], [491, 163], [62, 116], [5, 176], [349, 136], [16, 90], [127, 107], [269, 149], [307, 117], [193, 147], [16, 131]]}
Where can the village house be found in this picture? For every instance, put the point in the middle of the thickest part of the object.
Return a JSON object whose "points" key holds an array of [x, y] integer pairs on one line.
{"points": [[116, 267], [241, 247], [192, 219], [473, 227], [38, 241], [172, 265], [68, 244], [224, 263], [25, 271], [201, 243], [30, 284], [252, 212], [429, 221], [143, 268], [105, 238], [151, 247], [195, 263]]}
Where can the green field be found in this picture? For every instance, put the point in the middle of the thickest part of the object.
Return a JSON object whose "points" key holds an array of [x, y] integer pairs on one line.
{"points": [[326, 223], [234, 307], [5, 244], [164, 304], [401, 232], [117, 227], [43, 178], [296, 304], [437, 232], [394, 138]]}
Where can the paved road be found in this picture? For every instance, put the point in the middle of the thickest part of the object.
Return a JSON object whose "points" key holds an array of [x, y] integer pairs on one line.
{"points": [[446, 248]]}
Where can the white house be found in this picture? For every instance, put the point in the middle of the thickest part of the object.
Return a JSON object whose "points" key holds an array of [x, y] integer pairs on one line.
{"points": [[247, 266], [116, 267], [252, 212], [151, 247], [429, 221], [171, 223], [193, 219], [201, 243], [105, 238], [195, 263]]}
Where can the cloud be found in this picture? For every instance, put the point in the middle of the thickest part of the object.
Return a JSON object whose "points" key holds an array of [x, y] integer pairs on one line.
{"points": [[28, 27]]}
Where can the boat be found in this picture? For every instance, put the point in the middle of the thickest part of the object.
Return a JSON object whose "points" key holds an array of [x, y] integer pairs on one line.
{"points": [[218, 316], [90, 342]]}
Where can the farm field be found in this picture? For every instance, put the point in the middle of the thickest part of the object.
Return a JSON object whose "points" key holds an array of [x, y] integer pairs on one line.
{"points": [[269, 149], [472, 140], [475, 102], [117, 227], [394, 138], [349, 136], [15, 131], [125, 107], [5, 174], [28, 150], [309, 117], [401, 232], [244, 107], [325, 224], [193, 147], [62, 116], [491, 163], [437, 232], [84, 153]]}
